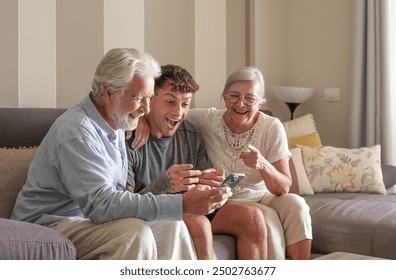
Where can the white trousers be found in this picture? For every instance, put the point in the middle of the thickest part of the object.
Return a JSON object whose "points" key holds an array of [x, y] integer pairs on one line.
{"points": [[287, 219], [128, 239]]}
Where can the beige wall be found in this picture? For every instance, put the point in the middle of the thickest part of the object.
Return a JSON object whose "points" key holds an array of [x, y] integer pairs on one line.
{"points": [[169, 36], [27, 53], [268, 48], [80, 46], [318, 55], [9, 53], [119, 16], [294, 43], [37, 53]]}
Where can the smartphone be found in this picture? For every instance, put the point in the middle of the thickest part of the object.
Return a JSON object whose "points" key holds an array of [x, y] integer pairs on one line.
{"points": [[232, 180]]}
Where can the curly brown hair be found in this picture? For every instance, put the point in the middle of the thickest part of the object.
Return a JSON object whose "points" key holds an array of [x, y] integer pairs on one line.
{"points": [[177, 77]]}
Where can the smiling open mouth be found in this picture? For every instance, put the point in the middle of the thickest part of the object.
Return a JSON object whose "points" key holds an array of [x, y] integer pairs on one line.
{"points": [[172, 122], [240, 112], [136, 114]]}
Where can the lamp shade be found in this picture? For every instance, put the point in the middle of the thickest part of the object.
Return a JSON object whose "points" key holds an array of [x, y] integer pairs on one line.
{"points": [[293, 94]]}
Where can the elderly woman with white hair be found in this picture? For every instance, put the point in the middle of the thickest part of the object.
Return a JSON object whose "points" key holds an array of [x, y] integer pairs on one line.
{"points": [[240, 138]]}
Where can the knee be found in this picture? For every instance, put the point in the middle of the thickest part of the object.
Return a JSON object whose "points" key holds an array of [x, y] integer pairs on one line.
{"points": [[198, 226], [294, 203], [251, 220], [252, 214], [134, 229], [256, 218], [299, 203], [179, 229], [244, 211], [132, 238], [254, 227]]}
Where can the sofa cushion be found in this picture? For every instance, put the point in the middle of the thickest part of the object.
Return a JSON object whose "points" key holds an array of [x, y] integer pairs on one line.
{"points": [[332, 169], [300, 183], [16, 122], [225, 247], [27, 241], [300, 126], [14, 166], [359, 223], [311, 140]]}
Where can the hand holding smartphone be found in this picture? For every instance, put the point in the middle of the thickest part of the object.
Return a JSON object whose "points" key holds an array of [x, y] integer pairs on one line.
{"points": [[232, 180]]}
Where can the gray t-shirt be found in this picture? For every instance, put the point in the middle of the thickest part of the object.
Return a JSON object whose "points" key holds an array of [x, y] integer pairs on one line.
{"points": [[157, 155]]}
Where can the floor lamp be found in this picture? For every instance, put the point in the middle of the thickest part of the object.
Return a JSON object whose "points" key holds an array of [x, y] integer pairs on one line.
{"points": [[293, 96]]}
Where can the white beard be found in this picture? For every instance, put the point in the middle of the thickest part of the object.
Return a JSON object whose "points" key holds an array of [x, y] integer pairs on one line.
{"points": [[123, 121]]}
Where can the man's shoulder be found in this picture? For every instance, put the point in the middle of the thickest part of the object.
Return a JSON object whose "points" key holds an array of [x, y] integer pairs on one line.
{"points": [[74, 123], [189, 127]]}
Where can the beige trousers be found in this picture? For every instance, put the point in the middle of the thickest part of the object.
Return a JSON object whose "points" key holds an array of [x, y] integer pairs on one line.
{"points": [[128, 239], [287, 219]]}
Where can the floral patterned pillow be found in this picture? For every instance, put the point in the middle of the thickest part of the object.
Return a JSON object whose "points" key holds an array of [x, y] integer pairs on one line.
{"points": [[331, 169]]}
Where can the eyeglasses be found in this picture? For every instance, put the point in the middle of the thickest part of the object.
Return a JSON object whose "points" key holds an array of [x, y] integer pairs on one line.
{"points": [[234, 97]]}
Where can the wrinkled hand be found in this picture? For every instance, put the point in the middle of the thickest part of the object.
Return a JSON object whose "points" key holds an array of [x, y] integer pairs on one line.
{"points": [[212, 177], [253, 158], [182, 177], [203, 200], [142, 133]]}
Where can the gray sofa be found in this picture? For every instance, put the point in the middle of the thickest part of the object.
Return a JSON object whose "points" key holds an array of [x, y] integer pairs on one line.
{"points": [[22, 129], [358, 223]]}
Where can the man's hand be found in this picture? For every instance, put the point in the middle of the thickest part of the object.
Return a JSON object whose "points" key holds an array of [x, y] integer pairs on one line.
{"points": [[212, 177], [203, 200], [177, 178], [182, 177]]}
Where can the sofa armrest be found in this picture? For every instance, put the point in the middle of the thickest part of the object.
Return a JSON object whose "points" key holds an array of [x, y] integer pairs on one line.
{"points": [[389, 174], [27, 241]]}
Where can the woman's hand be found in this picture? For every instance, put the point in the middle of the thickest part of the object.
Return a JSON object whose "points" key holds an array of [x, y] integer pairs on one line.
{"points": [[276, 176], [254, 159]]}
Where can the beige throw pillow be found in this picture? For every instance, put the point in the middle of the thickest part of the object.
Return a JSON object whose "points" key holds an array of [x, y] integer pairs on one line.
{"points": [[331, 169], [300, 126], [14, 166], [300, 182]]}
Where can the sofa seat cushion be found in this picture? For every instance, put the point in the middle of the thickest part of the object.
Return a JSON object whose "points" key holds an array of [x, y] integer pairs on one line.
{"points": [[225, 247], [27, 241], [358, 223]]}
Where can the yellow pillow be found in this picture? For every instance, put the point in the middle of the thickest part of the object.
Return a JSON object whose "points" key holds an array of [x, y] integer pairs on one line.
{"points": [[311, 140]]}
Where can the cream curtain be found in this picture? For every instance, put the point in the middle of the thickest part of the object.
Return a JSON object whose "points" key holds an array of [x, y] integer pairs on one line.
{"points": [[373, 109]]}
